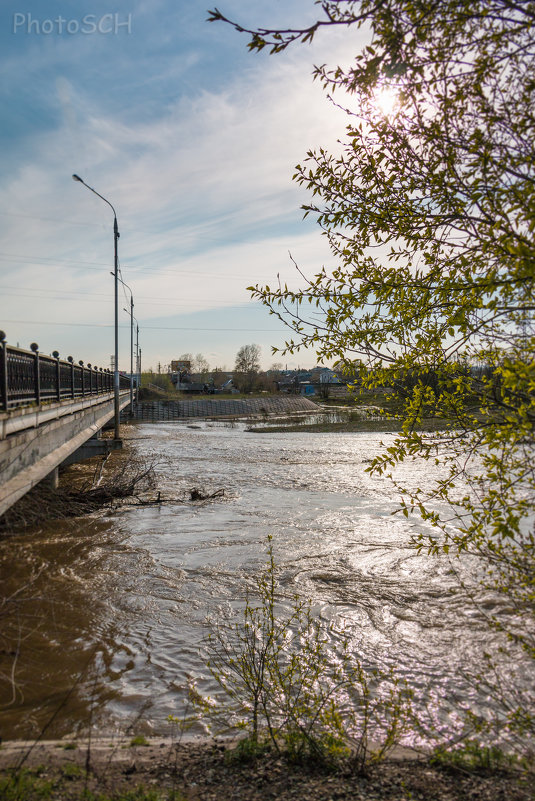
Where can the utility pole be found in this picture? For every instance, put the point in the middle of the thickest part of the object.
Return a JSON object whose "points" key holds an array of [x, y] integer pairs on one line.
{"points": [[116, 235]]}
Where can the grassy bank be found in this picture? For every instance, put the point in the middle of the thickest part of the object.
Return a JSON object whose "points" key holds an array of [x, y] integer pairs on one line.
{"points": [[210, 771]]}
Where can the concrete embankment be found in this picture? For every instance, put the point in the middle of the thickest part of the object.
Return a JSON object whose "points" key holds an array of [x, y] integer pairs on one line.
{"points": [[213, 407]]}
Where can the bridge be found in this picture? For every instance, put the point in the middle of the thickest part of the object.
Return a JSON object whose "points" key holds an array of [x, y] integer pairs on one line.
{"points": [[51, 412]]}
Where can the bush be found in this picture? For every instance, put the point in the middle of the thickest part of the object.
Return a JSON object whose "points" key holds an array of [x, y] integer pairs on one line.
{"points": [[284, 684], [475, 758]]}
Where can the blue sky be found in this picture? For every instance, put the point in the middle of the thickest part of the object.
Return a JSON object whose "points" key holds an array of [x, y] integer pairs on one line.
{"points": [[192, 139]]}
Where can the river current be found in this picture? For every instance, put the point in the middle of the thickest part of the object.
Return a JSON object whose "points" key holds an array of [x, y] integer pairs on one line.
{"points": [[108, 612]]}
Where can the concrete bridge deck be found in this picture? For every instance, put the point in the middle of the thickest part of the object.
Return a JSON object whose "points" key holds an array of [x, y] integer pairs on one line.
{"points": [[35, 440], [49, 409]]}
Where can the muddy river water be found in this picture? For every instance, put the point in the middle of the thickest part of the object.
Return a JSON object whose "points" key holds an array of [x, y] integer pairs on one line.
{"points": [[107, 612]]}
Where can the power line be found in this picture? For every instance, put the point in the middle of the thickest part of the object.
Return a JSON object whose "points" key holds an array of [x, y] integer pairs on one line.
{"points": [[146, 327], [94, 265], [184, 234], [144, 303], [54, 294]]}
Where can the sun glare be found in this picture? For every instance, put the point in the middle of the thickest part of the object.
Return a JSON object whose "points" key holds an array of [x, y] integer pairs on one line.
{"points": [[386, 100]]}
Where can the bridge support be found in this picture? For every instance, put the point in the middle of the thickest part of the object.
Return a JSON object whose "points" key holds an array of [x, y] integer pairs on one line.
{"points": [[96, 446], [52, 479]]}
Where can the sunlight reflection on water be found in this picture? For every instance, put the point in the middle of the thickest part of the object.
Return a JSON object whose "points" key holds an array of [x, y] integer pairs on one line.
{"points": [[135, 588]]}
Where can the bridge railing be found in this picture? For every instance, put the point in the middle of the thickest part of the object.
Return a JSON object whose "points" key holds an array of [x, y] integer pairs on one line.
{"points": [[28, 377]]}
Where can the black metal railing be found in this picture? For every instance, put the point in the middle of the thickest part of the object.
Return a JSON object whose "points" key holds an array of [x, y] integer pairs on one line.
{"points": [[28, 377]]}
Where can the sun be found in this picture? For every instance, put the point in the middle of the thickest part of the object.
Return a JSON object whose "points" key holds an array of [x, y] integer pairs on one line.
{"points": [[386, 100]]}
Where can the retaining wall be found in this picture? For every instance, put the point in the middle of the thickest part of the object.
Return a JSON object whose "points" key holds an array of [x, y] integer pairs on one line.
{"points": [[179, 410]]}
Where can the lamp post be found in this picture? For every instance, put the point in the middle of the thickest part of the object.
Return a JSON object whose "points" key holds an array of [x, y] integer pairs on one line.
{"points": [[138, 352], [138, 377], [131, 313], [116, 326], [138, 357]]}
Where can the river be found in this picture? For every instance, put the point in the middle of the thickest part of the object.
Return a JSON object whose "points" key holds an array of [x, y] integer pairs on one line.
{"points": [[107, 612]]}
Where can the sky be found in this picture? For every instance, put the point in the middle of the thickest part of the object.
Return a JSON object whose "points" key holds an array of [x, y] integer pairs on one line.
{"points": [[192, 139]]}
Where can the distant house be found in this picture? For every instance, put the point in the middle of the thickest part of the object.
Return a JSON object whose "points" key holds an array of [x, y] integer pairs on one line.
{"points": [[306, 388], [183, 382], [309, 382], [327, 376]]}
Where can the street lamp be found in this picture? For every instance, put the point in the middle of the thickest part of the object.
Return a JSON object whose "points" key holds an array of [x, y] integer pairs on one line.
{"points": [[131, 312], [138, 352], [138, 357], [138, 377], [116, 276]]}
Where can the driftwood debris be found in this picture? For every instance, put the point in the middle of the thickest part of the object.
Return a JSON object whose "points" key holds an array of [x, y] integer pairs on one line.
{"points": [[45, 503], [193, 494], [197, 495], [128, 485]]}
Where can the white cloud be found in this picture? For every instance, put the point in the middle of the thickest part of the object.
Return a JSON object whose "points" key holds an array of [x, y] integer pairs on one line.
{"points": [[202, 191]]}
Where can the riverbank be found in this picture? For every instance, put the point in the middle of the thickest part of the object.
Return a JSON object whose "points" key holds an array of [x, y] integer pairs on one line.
{"points": [[387, 425], [327, 427], [207, 771]]}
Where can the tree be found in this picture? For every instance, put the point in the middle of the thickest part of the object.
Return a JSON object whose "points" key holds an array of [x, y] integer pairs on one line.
{"points": [[200, 366], [247, 365], [218, 376], [429, 211]]}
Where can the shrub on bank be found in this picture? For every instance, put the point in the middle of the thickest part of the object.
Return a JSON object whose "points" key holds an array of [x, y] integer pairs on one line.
{"points": [[285, 686]]}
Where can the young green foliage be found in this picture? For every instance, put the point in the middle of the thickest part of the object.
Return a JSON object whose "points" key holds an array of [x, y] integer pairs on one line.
{"points": [[289, 683], [429, 211]]}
